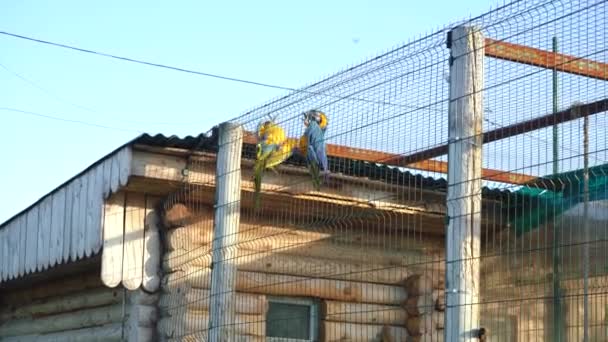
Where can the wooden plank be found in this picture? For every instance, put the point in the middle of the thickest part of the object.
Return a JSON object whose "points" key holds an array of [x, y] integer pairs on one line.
{"points": [[32, 239], [125, 165], [22, 243], [115, 173], [89, 228], [107, 177], [81, 229], [57, 222], [152, 247], [546, 59], [76, 227], [132, 273], [94, 210], [3, 253], [44, 233], [113, 236], [7, 253], [97, 239], [6, 239], [70, 194], [14, 249]]}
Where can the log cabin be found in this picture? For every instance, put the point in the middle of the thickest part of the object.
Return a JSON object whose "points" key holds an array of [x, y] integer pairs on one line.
{"points": [[123, 251]]}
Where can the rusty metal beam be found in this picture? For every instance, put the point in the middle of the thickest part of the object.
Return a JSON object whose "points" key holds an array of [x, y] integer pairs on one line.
{"points": [[546, 59], [572, 113], [372, 156]]}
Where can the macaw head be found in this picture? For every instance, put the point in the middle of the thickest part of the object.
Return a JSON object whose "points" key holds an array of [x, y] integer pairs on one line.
{"points": [[264, 126], [315, 115]]}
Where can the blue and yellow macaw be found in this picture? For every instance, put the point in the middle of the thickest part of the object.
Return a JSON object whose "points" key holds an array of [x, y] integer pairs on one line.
{"points": [[312, 145], [273, 147]]}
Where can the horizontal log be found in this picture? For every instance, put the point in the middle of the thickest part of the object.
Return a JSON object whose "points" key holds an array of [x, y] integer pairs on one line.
{"points": [[420, 325], [179, 214], [105, 333], [285, 285], [202, 336], [65, 321], [294, 265], [362, 313], [436, 336], [352, 332], [198, 300], [419, 284], [439, 320], [440, 303], [420, 305], [252, 233], [336, 245], [188, 322], [52, 289], [55, 305]]}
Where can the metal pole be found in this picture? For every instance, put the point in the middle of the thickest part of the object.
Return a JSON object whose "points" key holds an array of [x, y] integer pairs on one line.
{"points": [[226, 225], [464, 184], [557, 305], [555, 127], [586, 229]]}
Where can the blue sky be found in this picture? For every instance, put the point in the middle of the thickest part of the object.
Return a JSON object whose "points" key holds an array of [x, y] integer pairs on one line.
{"points": [[285, 43]]}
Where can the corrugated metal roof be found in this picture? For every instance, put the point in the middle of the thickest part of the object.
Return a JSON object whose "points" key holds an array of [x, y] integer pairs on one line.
{"points": [[208, 142], [373, 171]]}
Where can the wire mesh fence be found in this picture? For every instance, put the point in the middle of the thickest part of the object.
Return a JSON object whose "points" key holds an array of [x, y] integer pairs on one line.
{"points": [[453, 188]]}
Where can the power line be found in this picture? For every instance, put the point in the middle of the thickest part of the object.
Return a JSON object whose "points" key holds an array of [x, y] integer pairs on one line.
{"points": [[200, 73], [52, 117], [65, 101], [132, 60], [44, 90]]}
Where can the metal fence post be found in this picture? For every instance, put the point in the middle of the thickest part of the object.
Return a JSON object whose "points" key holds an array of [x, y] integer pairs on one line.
{"points": [[226, 225], [464, 184]]}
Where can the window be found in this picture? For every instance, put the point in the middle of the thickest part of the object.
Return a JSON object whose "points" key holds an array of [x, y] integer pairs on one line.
{"points": [[291, 320]]}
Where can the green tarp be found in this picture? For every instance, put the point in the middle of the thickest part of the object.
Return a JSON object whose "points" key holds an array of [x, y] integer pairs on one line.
{"points": [[533, 206]]}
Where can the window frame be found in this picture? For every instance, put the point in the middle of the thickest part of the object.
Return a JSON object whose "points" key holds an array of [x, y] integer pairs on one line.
{"points": [[313, 318]]}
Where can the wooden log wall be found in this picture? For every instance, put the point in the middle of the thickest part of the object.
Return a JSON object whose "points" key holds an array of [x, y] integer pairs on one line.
{"points": [[70, 309], [78, 308], [365, 293]]}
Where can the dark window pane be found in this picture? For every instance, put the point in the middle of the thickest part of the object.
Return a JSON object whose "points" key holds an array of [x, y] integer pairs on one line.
{"points": [[288, 320]]}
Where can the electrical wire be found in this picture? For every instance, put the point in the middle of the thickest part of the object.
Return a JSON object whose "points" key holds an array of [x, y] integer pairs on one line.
{"points": [[57, 118]]}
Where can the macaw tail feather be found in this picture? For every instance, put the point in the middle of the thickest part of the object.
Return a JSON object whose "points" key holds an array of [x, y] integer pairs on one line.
{"points": [[316, 179], [258, 171], [326, 176]]}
